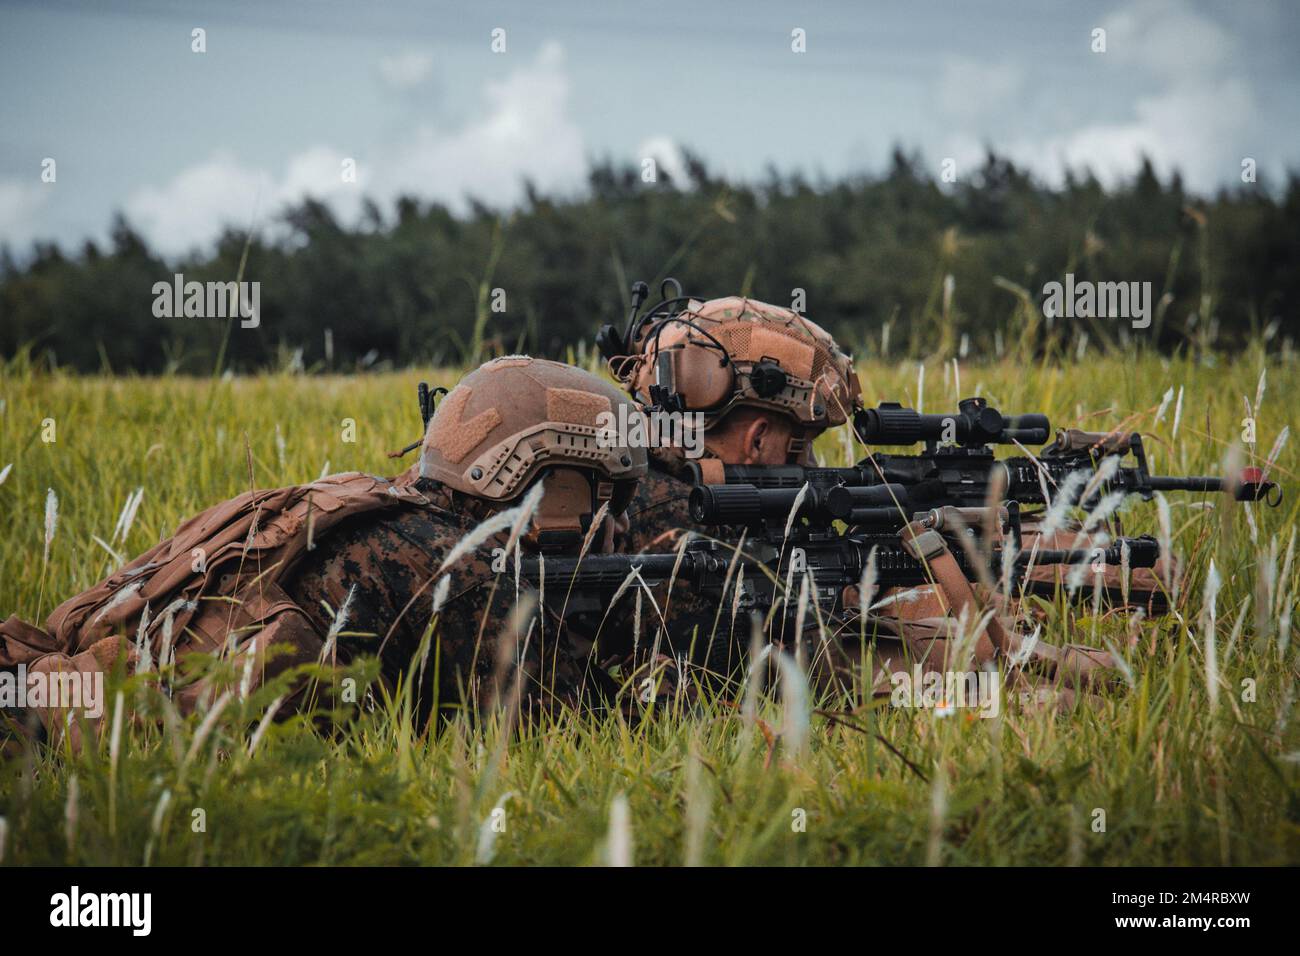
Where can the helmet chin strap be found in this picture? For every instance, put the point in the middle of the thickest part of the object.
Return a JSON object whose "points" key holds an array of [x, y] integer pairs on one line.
{"points": [[568, 505]]}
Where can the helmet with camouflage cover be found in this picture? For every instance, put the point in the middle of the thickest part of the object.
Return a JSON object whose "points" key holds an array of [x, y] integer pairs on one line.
{"points": [[716, 355], [516, 418]]}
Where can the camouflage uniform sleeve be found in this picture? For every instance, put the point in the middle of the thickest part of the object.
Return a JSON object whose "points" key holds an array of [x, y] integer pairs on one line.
{"points": [[693, 629], [388, 565], [658, 513]]}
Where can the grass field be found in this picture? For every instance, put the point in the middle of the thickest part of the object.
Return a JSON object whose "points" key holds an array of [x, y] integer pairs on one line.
{"points": [[1195, 761]]}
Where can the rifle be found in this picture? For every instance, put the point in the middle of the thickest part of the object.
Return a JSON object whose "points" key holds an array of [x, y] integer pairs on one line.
{"points": [[958, 466], [742, 505], [834, 561]]}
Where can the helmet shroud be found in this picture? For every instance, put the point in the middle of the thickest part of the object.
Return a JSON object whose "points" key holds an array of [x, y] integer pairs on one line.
{"points": [[735, 351], [514, 417]]}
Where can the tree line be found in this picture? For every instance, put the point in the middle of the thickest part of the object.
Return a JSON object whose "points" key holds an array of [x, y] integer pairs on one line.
{"points": [[891, 261]]}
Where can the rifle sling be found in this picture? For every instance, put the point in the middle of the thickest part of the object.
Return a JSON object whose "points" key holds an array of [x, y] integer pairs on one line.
{"points": [[925, 544]]}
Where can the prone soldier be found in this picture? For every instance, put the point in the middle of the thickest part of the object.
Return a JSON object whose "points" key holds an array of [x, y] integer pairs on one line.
{"points": [[764, 382], [756, 384], [355, 565]]}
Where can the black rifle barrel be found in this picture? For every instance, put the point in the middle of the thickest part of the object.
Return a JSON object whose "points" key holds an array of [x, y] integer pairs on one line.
{"points": [[927, 482], [783, 476], [1242, 490], [733, 505], [834, 564], [605, 572], [847, 501], [1143, 552], [1250, 485], [1187, 483]]}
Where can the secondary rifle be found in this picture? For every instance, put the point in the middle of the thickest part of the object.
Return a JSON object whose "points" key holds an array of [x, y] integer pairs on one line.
{"points": [[833, 560], [958, 467]]}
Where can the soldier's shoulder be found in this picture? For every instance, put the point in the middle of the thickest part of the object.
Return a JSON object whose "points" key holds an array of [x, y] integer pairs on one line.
{"points": [[430, 524], [660, 483], [657, 511], [418, 533]]}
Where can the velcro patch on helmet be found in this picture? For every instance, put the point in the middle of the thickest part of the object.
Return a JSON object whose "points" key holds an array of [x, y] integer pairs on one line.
{"points": [[575, 407], [795, 357], [453, 437]]}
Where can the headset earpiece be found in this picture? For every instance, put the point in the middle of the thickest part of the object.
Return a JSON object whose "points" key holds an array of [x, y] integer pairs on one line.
{"points": [[700, 380]]}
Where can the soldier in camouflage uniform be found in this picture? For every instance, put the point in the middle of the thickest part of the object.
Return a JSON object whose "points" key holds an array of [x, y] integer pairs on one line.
{"points": [[768, 381], [783, 382], [357, 565]]}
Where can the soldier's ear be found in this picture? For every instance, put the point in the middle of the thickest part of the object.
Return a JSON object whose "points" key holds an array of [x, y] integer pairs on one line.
{"points": [[757, 435]]}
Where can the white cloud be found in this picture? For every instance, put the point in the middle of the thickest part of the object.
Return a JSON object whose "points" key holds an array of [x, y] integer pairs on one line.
{"points": [[21, 202], [667, 156], [1197, 120], [523, 129], [199, 201], [191, 209], [402, 71], [1167, 37], [1198, 129], [1189, 111]]}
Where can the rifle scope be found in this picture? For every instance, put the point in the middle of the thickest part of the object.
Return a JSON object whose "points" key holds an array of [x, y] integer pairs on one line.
{"points": [[975, 423]]}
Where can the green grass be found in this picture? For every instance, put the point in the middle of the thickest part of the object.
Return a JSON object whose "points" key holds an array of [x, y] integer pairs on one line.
{"points": [[1180, 780]]}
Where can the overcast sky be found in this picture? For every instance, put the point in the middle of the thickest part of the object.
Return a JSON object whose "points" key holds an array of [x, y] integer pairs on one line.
{"points": [[183, 142]]}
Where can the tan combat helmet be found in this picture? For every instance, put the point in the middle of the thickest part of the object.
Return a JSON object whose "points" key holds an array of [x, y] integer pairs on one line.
{"points": [[514, 418], [713, 356]]}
